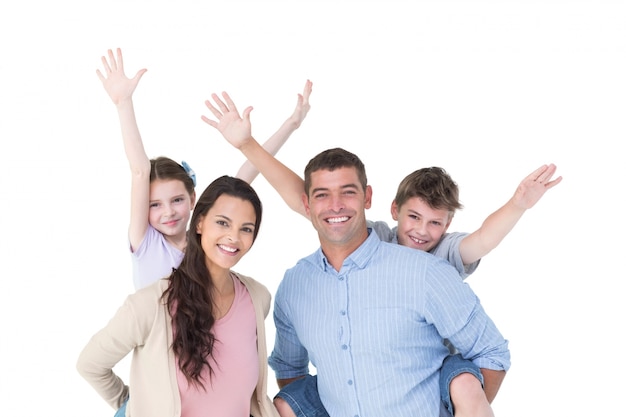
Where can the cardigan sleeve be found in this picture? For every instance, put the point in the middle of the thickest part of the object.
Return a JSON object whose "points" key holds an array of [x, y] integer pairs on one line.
{"points": [[127, 330]]}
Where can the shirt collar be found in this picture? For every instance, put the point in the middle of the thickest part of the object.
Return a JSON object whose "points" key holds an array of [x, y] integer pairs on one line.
{"points": [[358, 259]]}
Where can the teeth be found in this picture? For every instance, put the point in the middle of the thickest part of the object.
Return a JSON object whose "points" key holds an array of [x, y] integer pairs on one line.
{"points": [[337, 219], [227, 248], [416, 240]]}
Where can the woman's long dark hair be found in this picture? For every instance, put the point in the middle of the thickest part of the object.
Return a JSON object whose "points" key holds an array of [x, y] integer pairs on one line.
{"points": [[188, 296]]}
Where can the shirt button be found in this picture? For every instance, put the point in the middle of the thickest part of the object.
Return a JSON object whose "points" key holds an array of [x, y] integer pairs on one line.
{"points": [[344, 347], [350, 382], [343, 312]]}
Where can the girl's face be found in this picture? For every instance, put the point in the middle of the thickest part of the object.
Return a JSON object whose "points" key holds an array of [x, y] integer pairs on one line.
{"points": [[170, 207], [419, 225], [227, 232]]}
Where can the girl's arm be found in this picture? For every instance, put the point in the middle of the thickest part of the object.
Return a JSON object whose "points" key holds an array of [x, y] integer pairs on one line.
{"points": [[248, 171], [501, 222], [120, 88]]}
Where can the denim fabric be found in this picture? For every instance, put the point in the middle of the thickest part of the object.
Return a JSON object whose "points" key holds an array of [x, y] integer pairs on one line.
{"points": [[121, 412], [303, 398], [453, 366]]}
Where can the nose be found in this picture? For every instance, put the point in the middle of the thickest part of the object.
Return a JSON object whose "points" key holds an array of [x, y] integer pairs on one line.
{"points": [[420, 227], [168, 210], [337, 203]]}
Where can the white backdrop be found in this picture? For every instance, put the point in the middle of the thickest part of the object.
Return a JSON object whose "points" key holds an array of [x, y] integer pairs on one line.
{"points": [[489, 90]]}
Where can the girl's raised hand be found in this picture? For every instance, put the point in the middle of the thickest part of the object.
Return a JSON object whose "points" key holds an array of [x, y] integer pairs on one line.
{"points": [[117, 85]]}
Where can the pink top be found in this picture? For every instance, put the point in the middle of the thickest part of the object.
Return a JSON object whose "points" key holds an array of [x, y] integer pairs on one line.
{"points": [[235, 364]]}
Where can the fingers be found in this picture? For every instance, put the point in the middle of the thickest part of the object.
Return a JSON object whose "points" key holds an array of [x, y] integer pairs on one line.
{"points": [[120, 60], [308, 87], [105, 64], [219, 103], [100, 76], [111, 64], [139, 74], [246, 112], [553, 183], [230, 102], [212, 109], [209, 121], [112, 61], [542, 176]]}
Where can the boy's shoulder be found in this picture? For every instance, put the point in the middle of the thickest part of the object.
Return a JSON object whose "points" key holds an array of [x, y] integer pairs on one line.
{"points": [[382, 229]]}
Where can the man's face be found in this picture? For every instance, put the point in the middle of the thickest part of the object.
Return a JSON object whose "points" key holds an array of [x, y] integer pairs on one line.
{"points": [[336, 205]]}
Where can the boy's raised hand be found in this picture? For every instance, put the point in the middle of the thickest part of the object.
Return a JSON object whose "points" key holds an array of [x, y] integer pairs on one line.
{"points": [[302, 106], [533, 187], [236, 129], [117, 85]]}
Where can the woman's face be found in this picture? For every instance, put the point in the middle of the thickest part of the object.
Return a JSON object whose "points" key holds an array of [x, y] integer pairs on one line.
{"points": [[227, 232]]}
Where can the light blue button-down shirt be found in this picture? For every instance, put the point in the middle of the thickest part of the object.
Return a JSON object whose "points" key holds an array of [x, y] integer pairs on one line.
{"points": [[374, 329]]}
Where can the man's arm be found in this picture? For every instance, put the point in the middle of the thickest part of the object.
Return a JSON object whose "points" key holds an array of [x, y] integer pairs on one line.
{"points": [[284, 382], [236, 130], [501, 222], [492, 381]]}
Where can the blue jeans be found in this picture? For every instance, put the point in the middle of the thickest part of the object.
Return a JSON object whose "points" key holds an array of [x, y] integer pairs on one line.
{"points": [[303, 397], [121, 412], [453, 366]]}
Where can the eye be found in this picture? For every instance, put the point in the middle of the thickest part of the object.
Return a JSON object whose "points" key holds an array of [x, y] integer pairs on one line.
{"points": [[179, 200], [248, 230], [437, 223], [154, 205], [319, 195], [413, 216], [222, 222]]}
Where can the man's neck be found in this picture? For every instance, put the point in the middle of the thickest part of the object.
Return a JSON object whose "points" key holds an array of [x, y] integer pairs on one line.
{"points": [[337, 253]]}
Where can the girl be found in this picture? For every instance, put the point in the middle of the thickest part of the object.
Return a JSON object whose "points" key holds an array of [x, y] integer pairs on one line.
{"points": [[162, 190], [198, 337]]}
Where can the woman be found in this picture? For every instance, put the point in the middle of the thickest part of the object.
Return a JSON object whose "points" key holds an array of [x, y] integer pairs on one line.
{"points": [[198, 336]]}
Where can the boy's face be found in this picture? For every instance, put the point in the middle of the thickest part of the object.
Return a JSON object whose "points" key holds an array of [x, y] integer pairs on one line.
{"points": [[419, 225], [336, 206]]}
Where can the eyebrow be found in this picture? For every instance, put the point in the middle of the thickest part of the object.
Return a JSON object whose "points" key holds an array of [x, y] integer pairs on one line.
{"points": [[230, 220], [171, 198], [420, 214], [343, 187]]}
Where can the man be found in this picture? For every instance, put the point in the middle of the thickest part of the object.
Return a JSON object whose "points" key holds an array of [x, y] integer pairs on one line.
{"points": [[369, 315]]}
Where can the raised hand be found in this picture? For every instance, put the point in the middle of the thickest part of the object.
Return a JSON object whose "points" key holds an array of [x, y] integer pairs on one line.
{"points": [[236, 129], [534, 186], [302, 106], [117, 85]]}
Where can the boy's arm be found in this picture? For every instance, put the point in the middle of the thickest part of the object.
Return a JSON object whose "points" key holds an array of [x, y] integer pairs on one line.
{"points": [[248, 171], [120, 89], [501, 222], [236, 130]]}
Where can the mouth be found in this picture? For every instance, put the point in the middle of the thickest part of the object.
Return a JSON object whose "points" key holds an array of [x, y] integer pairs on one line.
{"points": [[171, 223], [417, 241], [336, 220], [228, 249]]}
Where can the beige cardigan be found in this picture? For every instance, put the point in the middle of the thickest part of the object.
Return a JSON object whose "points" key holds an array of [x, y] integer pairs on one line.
{"points": [[143, 325]]}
